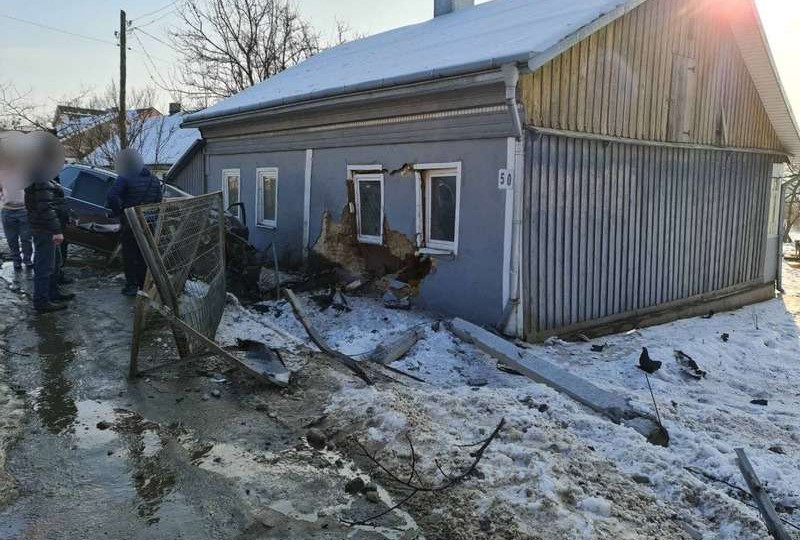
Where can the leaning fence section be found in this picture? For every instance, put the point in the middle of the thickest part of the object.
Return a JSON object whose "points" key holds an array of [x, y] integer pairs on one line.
{"points": [[183, 243]]}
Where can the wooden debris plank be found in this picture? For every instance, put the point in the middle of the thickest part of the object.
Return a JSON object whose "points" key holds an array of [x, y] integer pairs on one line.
{"points": [[394, 348], [210, 344], [613, 406], [771, 518], [320, 342]]}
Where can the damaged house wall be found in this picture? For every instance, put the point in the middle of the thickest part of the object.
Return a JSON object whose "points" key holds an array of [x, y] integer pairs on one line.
{"points": [[469, 283]]}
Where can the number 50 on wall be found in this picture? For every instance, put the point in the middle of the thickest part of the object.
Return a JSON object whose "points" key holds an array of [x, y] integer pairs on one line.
{"points": [[505, 179]]}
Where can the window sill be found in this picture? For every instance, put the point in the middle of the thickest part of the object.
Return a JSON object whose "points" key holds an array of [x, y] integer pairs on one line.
{"points": [[371, 240], [436, 252], [267, 226]]}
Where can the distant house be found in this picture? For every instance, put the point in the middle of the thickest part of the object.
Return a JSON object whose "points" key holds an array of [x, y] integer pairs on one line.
{"points": [[160, 140], [555, 166], [82, 130]]}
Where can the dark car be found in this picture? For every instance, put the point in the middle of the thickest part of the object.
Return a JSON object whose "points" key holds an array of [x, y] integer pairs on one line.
{"points": [[93, 226]]}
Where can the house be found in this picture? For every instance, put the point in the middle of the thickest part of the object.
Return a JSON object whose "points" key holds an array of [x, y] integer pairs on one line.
{"points": [[159, 139], [555, 166], [81, 130]]}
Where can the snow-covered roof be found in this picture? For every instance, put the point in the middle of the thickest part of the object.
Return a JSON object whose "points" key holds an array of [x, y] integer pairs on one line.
{"points": [[162, 141], [481, 38], [469, 40], [72, 126]]}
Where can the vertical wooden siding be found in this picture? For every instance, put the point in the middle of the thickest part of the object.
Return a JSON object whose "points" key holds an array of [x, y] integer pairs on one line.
{"points": [[618, 81], [612, 228], [191, 177]]}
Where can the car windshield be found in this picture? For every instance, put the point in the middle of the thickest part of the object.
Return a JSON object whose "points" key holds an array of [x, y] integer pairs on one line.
{"points": [[91, 189], [67, 177]]}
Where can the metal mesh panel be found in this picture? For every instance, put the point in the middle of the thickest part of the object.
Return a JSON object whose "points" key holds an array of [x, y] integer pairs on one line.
{"points": [[183, 242]]}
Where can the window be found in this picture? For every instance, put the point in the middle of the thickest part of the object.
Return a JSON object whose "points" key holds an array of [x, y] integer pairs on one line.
{"points": [[267, 197], [683, 99], [438, 207], [231, 192], [774, 207], [369, 207]]}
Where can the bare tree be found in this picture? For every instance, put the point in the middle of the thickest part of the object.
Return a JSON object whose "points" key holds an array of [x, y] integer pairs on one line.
{"points": [[99, 143], [93, 137], [19, 111], [229, 45]]}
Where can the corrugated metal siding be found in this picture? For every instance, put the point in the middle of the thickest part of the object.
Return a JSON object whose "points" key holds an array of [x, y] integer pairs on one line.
{"points": [[619, 80], [191, 177], [613, 228]]}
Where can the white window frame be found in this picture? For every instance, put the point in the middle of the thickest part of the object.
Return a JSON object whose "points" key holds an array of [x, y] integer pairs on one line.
{"points": [[224, 184], [269, 172], [774, 212], [372, 173], [424, 171]]}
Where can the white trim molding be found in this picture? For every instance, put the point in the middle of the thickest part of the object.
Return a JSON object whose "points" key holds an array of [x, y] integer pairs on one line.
{"points": [[261, 173], [307, 204], [424, 172], [353, 169], [224, 185]]}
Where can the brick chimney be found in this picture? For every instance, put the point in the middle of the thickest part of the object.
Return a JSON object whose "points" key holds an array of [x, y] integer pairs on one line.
{"points": [[175, 108], [443, 7]]}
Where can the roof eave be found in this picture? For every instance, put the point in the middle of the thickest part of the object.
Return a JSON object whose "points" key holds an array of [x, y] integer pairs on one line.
{"points": [[769, 85], [418, 81]]}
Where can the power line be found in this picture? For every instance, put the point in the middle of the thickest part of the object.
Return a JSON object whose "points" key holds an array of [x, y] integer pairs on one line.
{"points": [[153, 21], [151, 36], [59, 30], [162, 8], [161, 84], [73, 34]]}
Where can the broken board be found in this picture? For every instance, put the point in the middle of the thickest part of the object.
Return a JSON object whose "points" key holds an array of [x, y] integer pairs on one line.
{"points": [[613, 406]]}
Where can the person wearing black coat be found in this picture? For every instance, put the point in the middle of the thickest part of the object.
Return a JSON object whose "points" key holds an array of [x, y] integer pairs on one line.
{"points": [[135, 186], [47, 218]]}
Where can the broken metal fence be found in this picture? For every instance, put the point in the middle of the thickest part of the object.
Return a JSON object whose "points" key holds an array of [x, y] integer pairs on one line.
{"points": [[183, 243]]}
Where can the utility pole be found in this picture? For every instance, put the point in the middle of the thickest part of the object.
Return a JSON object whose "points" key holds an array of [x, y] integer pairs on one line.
{"points": [[123, 80]]}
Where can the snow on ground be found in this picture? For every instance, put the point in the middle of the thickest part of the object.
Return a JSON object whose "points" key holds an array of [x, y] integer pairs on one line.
{"points": [[558, 470]]}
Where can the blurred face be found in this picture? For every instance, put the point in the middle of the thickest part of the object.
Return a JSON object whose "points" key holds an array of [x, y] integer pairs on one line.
{"points": [[128, 163], [41, 157]]}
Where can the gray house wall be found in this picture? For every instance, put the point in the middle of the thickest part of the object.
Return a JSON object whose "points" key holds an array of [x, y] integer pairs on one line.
{"points": [[469, 284], [288, 235], [190, 176]]}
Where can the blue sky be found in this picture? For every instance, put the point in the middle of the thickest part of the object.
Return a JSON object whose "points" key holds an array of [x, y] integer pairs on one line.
{"points": [[55, 65]]}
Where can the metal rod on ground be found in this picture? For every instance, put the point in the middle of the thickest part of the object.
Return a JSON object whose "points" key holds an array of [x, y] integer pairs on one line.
{"points": [[771, 518], [658, 416], [713, 478]]}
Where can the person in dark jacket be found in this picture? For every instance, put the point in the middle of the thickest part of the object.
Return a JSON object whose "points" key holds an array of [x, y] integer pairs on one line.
{"points": [[47, 218], [135, 186]]}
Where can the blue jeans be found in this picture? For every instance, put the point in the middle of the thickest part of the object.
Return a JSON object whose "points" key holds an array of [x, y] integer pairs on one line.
{"points": [[18, 234], [46, 267]]}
